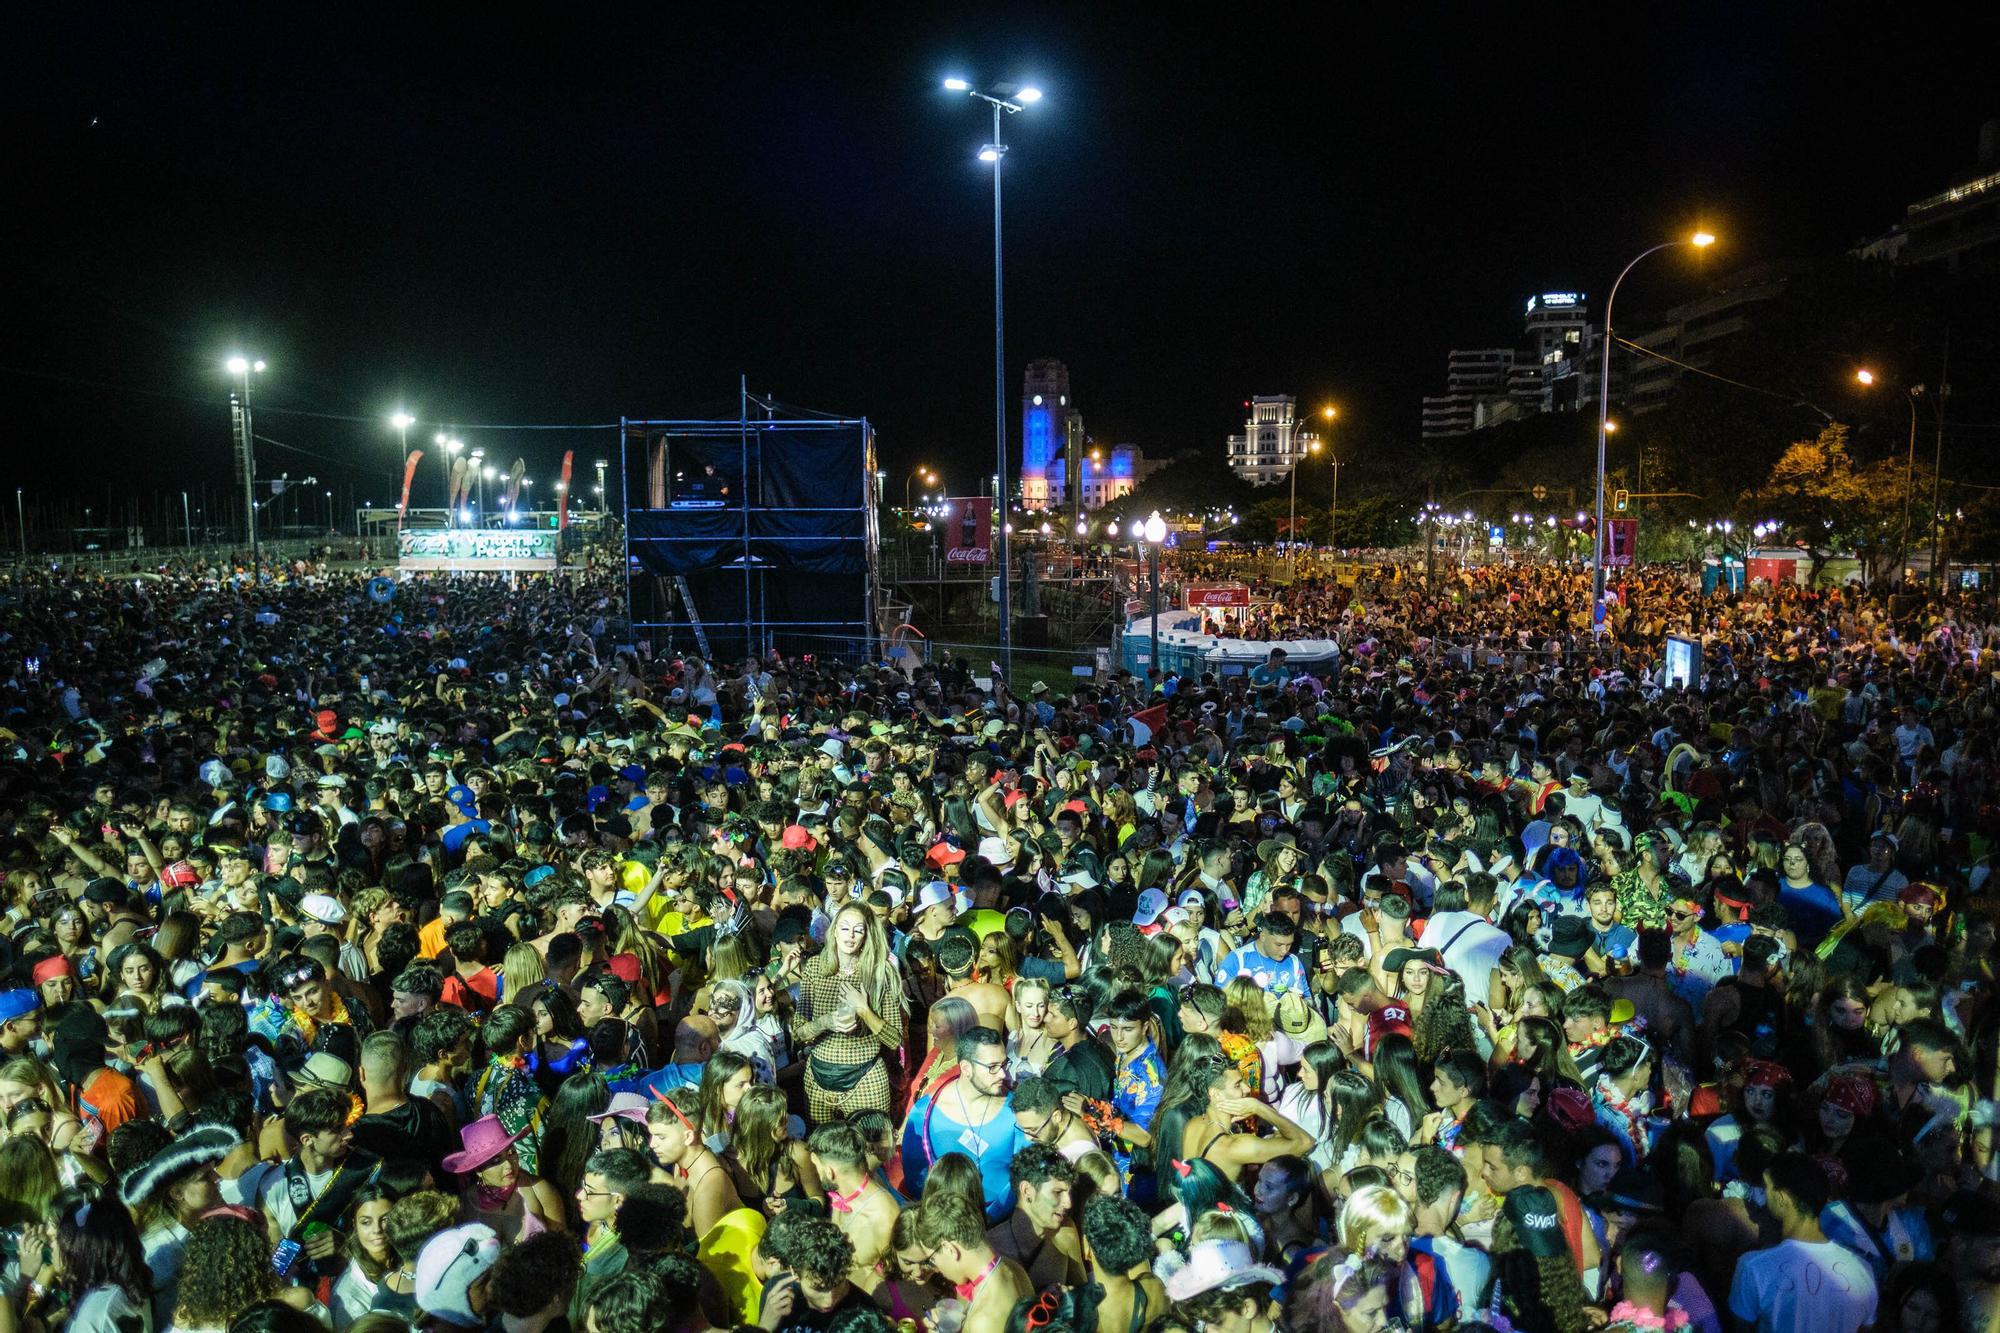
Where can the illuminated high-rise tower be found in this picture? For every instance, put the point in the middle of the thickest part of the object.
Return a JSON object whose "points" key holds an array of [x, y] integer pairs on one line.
{"points": [[1044, 427]]}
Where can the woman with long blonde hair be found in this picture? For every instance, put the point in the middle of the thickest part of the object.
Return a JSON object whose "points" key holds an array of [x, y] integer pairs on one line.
{"points": [[850, 1013], [654, 965], [26, 1079]]}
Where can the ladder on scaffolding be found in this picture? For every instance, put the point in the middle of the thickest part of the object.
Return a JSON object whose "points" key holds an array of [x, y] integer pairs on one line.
{"points": [[694, 616]]}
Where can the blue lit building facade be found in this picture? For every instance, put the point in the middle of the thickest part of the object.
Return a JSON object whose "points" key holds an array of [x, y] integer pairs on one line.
{"points": [[1108, 474], [1045, 411]]}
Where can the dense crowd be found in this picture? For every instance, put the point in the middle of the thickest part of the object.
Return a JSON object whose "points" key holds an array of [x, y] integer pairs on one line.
{"points": [[440, 961]]}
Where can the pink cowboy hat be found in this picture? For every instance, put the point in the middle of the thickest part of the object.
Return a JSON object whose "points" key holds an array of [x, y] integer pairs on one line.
{"points": [[484, 1140]]}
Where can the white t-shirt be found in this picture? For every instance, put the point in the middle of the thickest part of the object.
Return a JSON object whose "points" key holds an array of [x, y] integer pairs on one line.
{"points": [[275, 1196], [1803, 1285], [1476, 946], [109, 1310]]}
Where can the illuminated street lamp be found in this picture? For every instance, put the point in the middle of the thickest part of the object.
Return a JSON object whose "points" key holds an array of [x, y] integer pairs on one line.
{"points": [[1011, 100], [1701, 240], [243, 367], [1151, 533], [1866, 378], [923, 470]]}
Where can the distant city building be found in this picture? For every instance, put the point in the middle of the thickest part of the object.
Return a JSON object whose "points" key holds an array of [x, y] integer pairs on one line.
{"points": [[1045, 428], [1108, 474], [1549, 375], [1959, 226], [1477, 386], [1552, 369], [1690, 333], [1273, 440]]}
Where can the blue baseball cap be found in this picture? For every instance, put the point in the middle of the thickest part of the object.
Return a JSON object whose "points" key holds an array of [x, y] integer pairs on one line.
{"points": [[462, 797], [18, 1004]]}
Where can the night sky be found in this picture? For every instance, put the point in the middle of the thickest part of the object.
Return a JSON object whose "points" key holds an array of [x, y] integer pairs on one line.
{"points": [[496, 220]]}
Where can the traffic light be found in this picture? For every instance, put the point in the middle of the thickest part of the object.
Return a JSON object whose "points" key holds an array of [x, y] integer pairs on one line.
{"points": [[1621, 500]]}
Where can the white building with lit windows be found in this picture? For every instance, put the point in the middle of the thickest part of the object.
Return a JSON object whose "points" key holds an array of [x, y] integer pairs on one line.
{"points": [[1273, 441]]}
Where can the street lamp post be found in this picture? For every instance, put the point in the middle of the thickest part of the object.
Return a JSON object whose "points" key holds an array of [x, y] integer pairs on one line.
{"points": [[1701, 240], [1012, 101], [243, 367], [1154, 531], [1866, 378], [21, 516], [1292, 518], [930, 479], [602, 464]]}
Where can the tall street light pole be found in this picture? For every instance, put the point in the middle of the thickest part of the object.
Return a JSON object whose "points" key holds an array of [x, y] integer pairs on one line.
{"points": [[1866, 378], [243, 367], [1153, 531], [1011, 100], [1701, 240], [1298, 460], [1333, 518], [930, 479]]}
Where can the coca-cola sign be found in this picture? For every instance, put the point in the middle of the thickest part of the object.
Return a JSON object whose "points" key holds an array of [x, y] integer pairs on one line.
{"points": [[1218, 594], [968, 530]]}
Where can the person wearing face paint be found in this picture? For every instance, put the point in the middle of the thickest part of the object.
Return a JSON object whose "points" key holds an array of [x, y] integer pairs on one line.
{"points": [[850, 1013]]}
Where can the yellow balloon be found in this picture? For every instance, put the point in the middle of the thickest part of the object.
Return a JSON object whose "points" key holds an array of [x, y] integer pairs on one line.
{"points": [[635, 876]]}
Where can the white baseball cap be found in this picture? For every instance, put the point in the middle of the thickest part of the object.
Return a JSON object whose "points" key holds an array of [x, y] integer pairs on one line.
{"points": [[936, 892], [1151, 904], [323, 908]]}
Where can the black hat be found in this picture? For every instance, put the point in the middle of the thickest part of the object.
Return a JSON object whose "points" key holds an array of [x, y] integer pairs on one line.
{"points": [[1570, 937], [1537, 1220]]}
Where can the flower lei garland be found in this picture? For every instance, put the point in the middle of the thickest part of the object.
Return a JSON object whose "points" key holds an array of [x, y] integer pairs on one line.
{"points": [[308, 1026], [1627, 1315]]}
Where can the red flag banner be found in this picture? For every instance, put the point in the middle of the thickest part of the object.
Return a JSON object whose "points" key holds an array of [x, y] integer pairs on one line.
{"points": [[1146, 722], [562, 491], [409, 475]]}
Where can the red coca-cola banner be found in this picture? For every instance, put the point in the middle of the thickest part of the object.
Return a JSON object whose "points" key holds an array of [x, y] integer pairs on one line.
{"points": [[1218, 594], [968, 530], [1621, 542]]}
